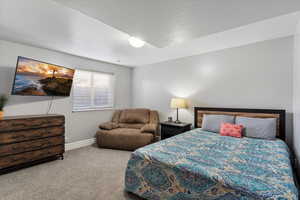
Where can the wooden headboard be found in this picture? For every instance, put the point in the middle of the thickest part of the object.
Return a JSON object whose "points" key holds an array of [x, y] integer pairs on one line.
{"points": [[259, 113]]}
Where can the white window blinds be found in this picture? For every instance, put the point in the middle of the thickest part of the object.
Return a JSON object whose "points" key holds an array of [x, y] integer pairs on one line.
{"points": [[92, 90]]}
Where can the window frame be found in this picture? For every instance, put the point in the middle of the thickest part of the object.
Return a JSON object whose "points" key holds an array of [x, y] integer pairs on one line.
{"points": [[95, 108]]}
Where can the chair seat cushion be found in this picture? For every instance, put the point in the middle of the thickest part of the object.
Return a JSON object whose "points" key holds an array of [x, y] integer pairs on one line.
{"points": [[131, 125], [123, 138]]}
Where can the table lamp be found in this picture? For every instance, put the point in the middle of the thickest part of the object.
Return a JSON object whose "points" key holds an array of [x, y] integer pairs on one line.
{"points": [[178, 103]]}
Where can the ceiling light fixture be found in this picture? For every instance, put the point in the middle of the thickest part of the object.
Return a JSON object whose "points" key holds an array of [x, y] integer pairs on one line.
{"points": [[136, 42]]}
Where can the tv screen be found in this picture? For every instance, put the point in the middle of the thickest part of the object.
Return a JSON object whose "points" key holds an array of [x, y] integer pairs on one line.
{"points": [[36, 78]]}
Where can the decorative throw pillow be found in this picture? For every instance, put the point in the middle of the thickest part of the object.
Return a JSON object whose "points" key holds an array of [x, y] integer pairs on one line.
{"points": [[233, 130], [212, 123], [264, 128]]}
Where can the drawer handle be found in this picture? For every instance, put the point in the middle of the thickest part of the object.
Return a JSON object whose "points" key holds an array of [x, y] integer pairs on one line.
{"points": [[47, 143], [47, 132], [17, 159], [33, 123], [43, 144], [37, 135], [18, 136], [41, 134], [24, 159], [17, 124], [17, 148], [45, 154]]}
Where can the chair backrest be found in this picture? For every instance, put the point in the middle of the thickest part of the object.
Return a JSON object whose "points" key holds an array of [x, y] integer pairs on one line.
{"points": [[154, 117], [135, 116], [138, 115]]}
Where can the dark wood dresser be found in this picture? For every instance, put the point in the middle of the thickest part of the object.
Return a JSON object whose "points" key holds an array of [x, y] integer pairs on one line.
{"points": [[27, 140]]}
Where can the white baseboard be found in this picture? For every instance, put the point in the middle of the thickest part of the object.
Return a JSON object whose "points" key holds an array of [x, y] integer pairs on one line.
{"points": [[79, 144]]}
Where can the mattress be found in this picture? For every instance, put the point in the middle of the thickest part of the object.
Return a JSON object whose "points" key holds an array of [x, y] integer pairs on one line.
{"points": [[204, 165]]}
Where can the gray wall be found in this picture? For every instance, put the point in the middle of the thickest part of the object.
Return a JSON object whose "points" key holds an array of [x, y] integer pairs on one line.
{"points": [[296, 93], [79, 125], [254, 76]]}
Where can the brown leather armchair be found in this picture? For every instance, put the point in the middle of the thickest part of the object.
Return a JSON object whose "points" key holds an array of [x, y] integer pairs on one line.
{"points": [[129, 129]]}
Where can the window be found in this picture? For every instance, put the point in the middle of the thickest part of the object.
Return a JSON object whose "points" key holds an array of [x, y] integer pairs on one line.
{"points": [[92, 90]]}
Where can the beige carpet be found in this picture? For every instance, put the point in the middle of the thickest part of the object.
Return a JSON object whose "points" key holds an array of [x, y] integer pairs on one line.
{"points": [[88, 173]]}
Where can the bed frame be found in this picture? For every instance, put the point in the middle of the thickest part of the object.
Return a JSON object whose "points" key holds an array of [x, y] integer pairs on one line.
{"points": [[259, 113]]}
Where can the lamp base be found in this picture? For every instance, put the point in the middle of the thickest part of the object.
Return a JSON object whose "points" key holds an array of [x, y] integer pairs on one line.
{"points": [[177, 122]]}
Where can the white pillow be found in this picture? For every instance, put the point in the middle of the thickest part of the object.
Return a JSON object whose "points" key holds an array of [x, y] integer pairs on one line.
{"points": [[264, 128], [213, 122]]}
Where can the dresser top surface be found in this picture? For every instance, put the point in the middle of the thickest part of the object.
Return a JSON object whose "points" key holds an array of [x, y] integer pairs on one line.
{"points": [[182, 124], [30, 116]]}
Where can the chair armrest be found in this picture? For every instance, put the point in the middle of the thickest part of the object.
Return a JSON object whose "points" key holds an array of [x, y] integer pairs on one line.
{"points": [[149, 128], [108, 125]]}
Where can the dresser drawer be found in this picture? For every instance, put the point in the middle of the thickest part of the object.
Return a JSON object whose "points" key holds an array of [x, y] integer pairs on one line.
{"points": [[19, 136], [172, 130], [30, 123], [13, 160], [30, 145]]}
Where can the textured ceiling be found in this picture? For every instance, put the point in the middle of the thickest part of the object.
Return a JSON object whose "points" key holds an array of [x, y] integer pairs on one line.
{"points": [[51, 25], [167, 22]]}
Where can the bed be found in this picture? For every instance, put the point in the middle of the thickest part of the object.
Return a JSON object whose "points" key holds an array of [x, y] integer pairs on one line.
{"points": [[204, 165]]}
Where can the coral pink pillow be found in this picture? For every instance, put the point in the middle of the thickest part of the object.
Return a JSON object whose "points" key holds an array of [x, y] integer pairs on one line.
{"points": [[233, 130]]}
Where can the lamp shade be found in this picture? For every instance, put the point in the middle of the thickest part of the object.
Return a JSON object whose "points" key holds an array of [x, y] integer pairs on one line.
{"points": [[178, 103]]}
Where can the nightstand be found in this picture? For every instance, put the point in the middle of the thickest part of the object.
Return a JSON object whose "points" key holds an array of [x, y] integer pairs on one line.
{"points": [[169, 129]]}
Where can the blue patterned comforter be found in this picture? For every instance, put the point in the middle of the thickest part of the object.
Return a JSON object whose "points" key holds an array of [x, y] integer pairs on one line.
{"points": [[205, 165]]}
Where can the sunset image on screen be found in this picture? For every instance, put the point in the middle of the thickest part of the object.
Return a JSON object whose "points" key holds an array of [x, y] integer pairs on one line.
{"points": [[42, 79]]}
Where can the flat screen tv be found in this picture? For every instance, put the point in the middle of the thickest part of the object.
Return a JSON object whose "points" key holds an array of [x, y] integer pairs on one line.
{"points": [[36, 78]]}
